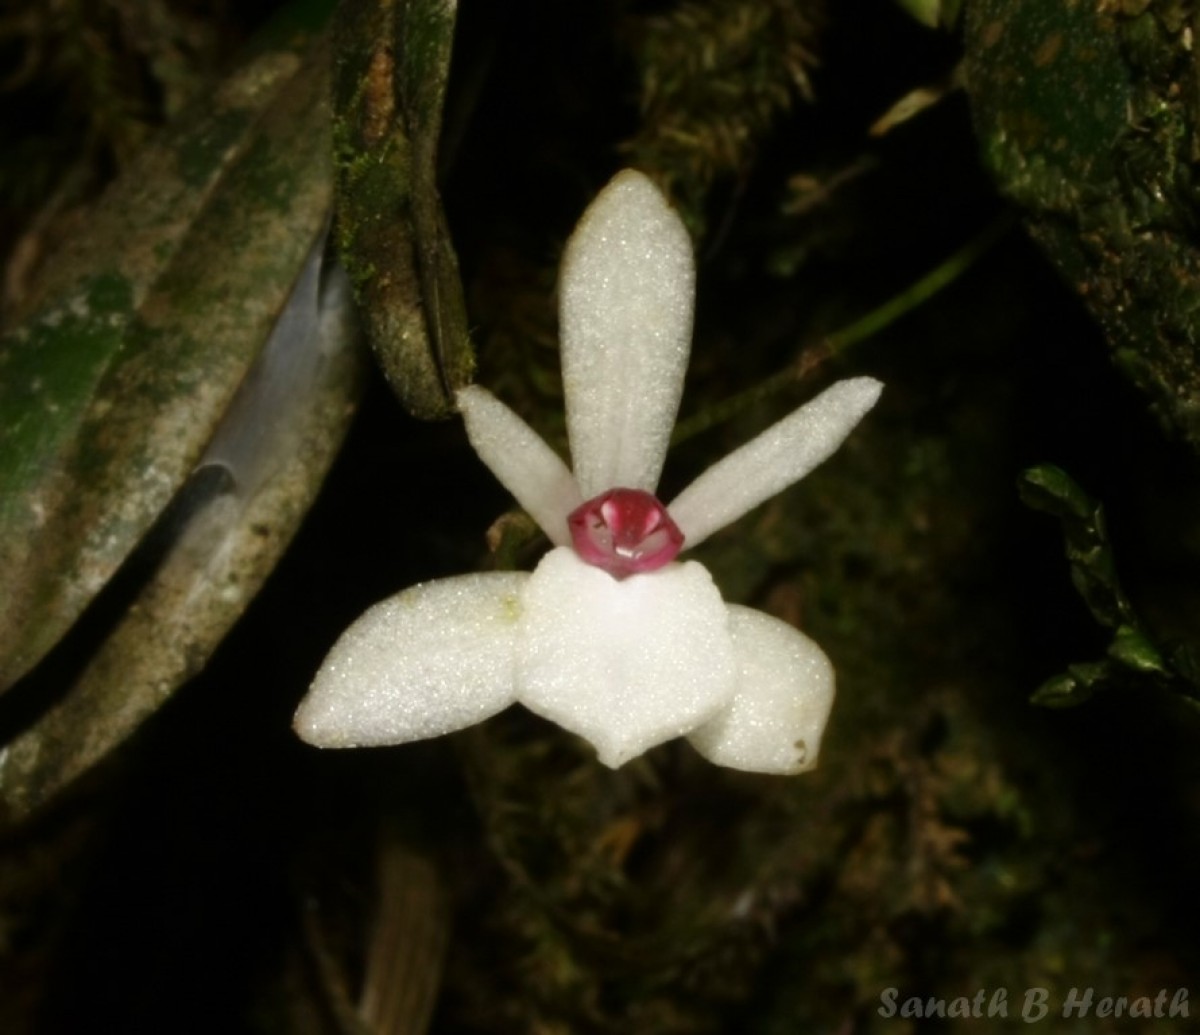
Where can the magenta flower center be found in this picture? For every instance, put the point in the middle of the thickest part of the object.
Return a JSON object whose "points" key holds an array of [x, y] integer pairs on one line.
{"points": [[625, 531]]}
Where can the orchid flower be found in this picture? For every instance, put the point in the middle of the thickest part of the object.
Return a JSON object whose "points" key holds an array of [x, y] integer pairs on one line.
{"points": [[610, 636]]}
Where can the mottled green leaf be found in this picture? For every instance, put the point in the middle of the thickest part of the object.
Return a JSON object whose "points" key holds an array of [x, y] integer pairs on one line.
{"points": [[192, 405], [1086, 120], [389, 85], [217, 542], [110, 391]]}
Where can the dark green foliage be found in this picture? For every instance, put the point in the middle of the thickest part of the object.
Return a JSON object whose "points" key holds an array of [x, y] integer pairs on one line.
{"points": [[1131, 657], [1107, 180]]}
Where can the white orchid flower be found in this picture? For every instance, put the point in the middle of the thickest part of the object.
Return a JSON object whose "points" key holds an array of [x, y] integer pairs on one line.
{"points": [[610, 636]]}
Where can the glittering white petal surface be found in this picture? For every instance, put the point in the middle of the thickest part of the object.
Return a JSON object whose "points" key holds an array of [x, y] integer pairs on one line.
{"points": [[625, 314], [626, 664], [433, 659], [784, 694], [769, 463], [521, 461]]}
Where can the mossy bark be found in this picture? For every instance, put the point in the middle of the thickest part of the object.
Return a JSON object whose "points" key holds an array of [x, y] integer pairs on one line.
{"points": [[1087, 116]]}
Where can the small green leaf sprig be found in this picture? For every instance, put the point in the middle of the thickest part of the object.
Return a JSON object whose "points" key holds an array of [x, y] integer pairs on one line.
{"points": [[1132, 656]]}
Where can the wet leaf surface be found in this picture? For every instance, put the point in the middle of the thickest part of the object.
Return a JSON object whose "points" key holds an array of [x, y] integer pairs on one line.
{"points": [[197, 410], [211, 549], [110, 392]]}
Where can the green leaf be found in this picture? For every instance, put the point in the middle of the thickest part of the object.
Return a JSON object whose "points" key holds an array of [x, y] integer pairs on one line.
{"points": [[1062, 691], [1093, 570], [216, 544], [1052, 490], [202, 377], [933, 13], [1131, 654], [1133, 650], [389, 86], [1083, 124], [1073, 687], [110, 391]]}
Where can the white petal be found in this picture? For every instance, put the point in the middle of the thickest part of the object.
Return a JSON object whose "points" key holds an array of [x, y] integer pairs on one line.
{"points": [[769, 463], [435, 658], [625, 316], [626, 664], [784, 694], [521, 461]]}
